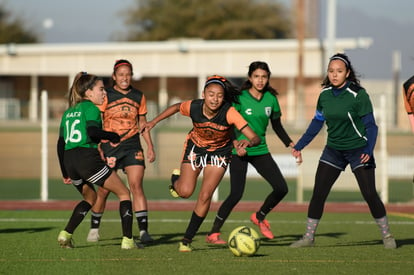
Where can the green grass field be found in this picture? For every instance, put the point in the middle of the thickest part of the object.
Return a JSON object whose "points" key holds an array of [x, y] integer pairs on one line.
{"points": [[156, 189], [345, 244]]}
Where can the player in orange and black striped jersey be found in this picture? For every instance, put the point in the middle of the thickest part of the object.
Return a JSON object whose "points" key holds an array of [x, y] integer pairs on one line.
{"points": [[124, 111], [408, 95], [208, 146], [259, 106]]}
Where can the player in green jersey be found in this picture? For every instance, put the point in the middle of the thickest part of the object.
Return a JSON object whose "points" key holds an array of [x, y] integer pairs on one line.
{"points": [[258, 105], [80, 162], [352, 132]]}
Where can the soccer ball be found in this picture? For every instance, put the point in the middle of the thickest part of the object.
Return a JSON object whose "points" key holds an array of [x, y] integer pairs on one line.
{"points": [[244, 241]]}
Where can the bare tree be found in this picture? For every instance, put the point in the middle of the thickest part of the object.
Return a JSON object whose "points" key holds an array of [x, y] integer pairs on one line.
{"points": [[155, 20]]}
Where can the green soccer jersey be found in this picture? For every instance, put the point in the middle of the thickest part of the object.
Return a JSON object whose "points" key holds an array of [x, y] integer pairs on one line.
{"points": [[343, 113], [257, 113], [74, 124]]}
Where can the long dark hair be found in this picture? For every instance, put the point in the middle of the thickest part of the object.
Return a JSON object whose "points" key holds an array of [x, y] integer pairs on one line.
{"points": [[352, 75], [254, 66]]}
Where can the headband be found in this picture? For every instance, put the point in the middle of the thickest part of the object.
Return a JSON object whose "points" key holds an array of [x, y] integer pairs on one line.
{"points": [[215, 80], [342, 59], [122, 64]]}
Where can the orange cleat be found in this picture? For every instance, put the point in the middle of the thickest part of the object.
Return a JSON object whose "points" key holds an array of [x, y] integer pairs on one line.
{"points": [[263, 225]]}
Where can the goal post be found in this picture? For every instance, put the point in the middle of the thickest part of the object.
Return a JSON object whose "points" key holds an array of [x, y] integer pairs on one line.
{"points": [[44, 194]]}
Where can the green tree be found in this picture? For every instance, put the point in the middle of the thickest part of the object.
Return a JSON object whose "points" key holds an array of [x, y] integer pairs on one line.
{"points": [[13, 29], [155, 20]]}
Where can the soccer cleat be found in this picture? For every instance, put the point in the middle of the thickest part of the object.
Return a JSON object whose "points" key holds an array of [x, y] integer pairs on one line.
{"points": [[65, 239], [214, 238], [145, 237], [175, 175], [263, 225], [389, 242], [173, 193], [93, 235], [128, 243], [185, 247], [303, 242]]}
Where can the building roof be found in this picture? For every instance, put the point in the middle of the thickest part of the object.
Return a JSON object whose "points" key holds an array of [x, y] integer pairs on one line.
{"points": [[173, 58]]}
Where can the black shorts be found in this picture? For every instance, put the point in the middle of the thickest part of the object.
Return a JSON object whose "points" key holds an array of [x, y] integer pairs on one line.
{"points": [[128, 152], [341, 158], [201, 157], [85, 165]]}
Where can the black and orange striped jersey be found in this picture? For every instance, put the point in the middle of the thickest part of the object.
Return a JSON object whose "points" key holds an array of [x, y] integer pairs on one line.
{"points": [[215, 133], [408, 95], [121, 112]]}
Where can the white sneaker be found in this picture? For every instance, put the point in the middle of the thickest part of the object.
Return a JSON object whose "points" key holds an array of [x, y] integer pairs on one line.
{"points": [[303, 242], [93, 235], [389, 242]]}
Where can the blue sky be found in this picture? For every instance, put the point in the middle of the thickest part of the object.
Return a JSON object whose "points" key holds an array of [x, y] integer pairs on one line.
{"points": [[388, 22]]}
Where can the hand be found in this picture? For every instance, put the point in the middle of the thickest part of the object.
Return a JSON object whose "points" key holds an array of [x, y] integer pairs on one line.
{"points": [[151, 155], [67, 180], [297, 155], [299, 159], [114, 144], [241, 152], [147, 127], [364, 158], [241, 144]]}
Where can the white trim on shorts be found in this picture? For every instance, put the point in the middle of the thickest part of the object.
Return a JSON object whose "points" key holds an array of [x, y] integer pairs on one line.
{"points": [[99, 175]]}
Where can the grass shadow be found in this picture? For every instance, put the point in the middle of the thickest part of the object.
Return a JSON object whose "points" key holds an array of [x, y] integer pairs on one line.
{"points": [[404, 242], [25, 230], [286, 240]]}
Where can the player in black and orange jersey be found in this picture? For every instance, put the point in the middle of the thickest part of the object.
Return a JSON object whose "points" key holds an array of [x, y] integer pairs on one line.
{"points": [[208, 146], [259, 106], [124, 112], [408, 95]]}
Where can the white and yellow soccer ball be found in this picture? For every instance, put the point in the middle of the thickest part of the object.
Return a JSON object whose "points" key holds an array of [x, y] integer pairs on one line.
{"points": [[243, 241]]}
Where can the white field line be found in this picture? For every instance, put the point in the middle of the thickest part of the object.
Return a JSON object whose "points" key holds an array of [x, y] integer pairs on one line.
{"points": [[205, 221]]}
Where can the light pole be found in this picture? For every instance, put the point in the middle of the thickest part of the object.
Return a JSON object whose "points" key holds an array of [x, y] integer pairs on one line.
{"points": [[300, 35]]}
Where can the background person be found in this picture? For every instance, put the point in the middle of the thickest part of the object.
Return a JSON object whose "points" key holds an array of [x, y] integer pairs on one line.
{"points": [[207, 147], [408, 89], [352, 133], [258, 105], [124, 113], [81, 164]]}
